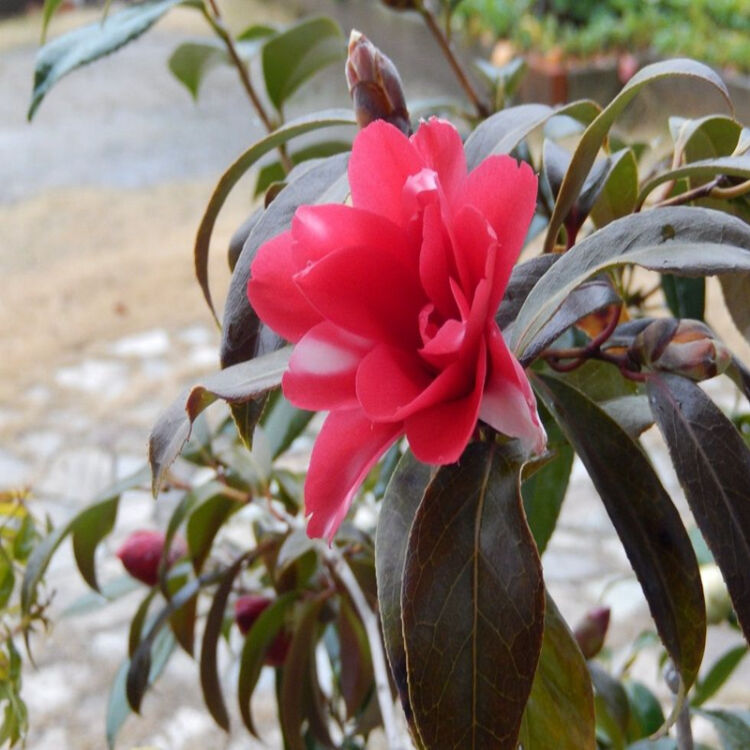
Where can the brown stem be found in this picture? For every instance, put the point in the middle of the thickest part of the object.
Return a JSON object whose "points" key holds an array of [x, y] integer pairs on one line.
{"points": [[690, 195], [217, 23], [481, 107]]}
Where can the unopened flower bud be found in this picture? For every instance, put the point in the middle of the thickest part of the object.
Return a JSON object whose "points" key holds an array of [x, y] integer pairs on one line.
{"points": [[682, 347], [718, 603], [247, 609], [141, 553], [591, 631], [375, 85]]}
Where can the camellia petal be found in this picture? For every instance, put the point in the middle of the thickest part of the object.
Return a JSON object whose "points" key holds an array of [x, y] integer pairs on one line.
{"points": [[508, 404], [346, 449], [273, 294], [322, 368], [440, 147], [382, 160]]}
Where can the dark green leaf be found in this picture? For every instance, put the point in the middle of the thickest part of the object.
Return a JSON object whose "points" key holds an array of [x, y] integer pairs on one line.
{"points": [[473, 604], [646, 521], [732, 727], [182, 620], [139, 620], [632, 413], [88, 43], [293, 56], [713, 465], [237, 384], [706, 137], [90, 527], [543, 492], [600, 382], [685, 240], [720, 671], [521, 282], [7, 578], [612, 707], [192, 61], [257, 642], [618, 195], [356, 677], [646, 715], [735, 287], [296, 669], [503, 131], [243, 335], [596, 133], [203, 525], [559, 714], [229, 179], [210, 682], [402, 498], [686, 297], [282, 423]]}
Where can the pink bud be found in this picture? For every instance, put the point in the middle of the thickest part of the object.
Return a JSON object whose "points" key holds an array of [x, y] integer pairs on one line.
{"points": [[247, 609], [375, 85], [141, 552], [591, 631]]}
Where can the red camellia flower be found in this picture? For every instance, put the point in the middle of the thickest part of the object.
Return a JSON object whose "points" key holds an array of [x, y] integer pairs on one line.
{"points": [[141, 551], [391, 304]]}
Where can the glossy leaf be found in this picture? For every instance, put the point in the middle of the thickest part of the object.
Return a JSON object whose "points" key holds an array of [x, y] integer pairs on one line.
{"points": [[544, 491], [237, 384], [292, 129], [646, 714], [612, 706], [686, 298], [521, 282], [705, 137], [400, 502], [257, 641], [596, 133], [503, 131], [618, 195], [721, 670], [713, 464], [644, 517], [473, 604], [588, 298], [209, 669], [684, 240], [732, 166], [88, 43], [192, 61], [293, 56], [559, 714]]}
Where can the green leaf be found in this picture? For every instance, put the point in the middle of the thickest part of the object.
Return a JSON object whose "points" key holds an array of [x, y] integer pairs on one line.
{"points": [[88, 43], [402, 498], [721, 670], [229, 179], [473, 604], [243, 334], [237, 384], [685, 240], [257, 641], [49, 10], [713, 465], [732, 727], [732, 166], [118, 708], [705, 138], [182, 620], [559, 714], [209, 669], [7, 578], [522, 280], [611, 702], [204, 523], [91, 526], [295, 55], [644, 517], [619, 193], [503, 131], [139, 620], [686, 297], [356, 678], [734, 288], [543, 492], [646, 715], [596, 133], [283, 423], [192, 61], [294, 674]]}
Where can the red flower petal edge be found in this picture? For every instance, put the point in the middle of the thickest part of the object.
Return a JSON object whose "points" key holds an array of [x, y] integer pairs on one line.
{"points": [[391, 303]]}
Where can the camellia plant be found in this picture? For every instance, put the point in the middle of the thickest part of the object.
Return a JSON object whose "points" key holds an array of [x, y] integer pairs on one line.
{"points": [[380, 283]]}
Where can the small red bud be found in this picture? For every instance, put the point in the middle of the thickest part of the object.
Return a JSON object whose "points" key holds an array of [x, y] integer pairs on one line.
{"points": [[141, 552], [247, 609], [591, 631], [375, 85]]}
